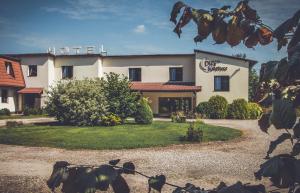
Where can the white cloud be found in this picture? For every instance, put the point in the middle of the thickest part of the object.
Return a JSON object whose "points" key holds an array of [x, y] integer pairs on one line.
{"points": [[85, 9], [140, 29]]}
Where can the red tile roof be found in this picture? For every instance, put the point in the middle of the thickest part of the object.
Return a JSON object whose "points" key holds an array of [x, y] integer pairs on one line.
{"points": [[7, 80], [31, 91], [163, 87]]}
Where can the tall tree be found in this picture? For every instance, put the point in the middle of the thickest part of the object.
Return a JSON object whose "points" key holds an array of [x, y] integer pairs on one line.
{"points": [[253, 84]]}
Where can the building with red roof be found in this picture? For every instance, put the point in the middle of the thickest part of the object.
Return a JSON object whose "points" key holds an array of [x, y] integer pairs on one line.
{"points": [[172, 82], [11, 80]]}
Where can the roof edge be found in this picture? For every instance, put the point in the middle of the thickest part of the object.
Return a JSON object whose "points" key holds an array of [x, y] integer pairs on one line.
{"points": [[251, 62], [7, 57]]}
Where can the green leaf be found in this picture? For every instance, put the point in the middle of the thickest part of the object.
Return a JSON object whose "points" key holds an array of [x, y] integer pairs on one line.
{"points": [[283, 114], [128, 168], [264, 122], [119, 185], [280, 169], [156, 182], [278, 141], [176, 9], [296, 150], [59, 174], [114, 162]]}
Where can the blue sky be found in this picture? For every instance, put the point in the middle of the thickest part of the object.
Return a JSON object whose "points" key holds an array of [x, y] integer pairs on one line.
{"points": [[123, 26]]}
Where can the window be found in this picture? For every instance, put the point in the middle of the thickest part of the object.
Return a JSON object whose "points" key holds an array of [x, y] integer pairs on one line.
{"points": [[32, 70], [176, 74], [67, 72], [4, 96], [221, 83], [135, 74], [9, 69]]}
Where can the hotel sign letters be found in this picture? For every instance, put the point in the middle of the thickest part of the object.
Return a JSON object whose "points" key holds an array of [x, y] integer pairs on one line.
{"points": [[211, 66]]}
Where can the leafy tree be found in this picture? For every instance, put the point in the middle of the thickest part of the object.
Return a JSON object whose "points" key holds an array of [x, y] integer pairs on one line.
{"points": [[77, 102], [144, 114], [253, 84], [121, 100]]}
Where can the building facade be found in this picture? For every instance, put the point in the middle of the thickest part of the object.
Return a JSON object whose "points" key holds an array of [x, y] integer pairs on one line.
{"points": [[11, 80], [170, 81]]}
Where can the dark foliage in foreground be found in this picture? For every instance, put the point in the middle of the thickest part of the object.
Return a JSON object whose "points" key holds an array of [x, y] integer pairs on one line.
{"points": [[279, 87]]}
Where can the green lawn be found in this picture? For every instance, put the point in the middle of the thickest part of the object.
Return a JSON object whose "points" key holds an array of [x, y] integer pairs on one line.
{"points": [[21, 116], [127, 136]]}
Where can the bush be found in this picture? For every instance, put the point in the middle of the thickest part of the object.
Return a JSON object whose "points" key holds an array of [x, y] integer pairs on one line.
{"points": [[238, 109], [144, 114], [217, 107], [4, 112], [11, 124], [77, 102], [111, 120], [178, 117], [32, 111], [121, 100], [203, 109], [192, 134], [255, 110]]}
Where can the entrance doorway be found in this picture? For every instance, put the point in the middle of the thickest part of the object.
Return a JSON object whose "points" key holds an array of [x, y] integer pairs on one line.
{"points": [[168, 105], [32, 100]]}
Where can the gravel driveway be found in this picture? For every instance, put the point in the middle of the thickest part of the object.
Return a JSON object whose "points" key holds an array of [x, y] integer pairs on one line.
{"points": [[25, 169]]}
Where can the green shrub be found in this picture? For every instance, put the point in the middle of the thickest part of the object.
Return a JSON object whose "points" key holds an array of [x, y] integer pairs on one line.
{"points": [[178, 117], [4, 112], [203, 109], [111, 120], [32, 111], [144, 114], [11, 124], [238, 109], [120, 99], [77, 102], [217, 107], [193, 134], [255, 110]]}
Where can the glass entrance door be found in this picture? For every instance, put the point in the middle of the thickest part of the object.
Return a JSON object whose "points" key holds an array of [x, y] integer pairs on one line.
{"points": [[168, 105]]}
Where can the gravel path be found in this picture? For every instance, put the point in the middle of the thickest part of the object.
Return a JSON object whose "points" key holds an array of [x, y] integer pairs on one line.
{"points": [[25, 169]]}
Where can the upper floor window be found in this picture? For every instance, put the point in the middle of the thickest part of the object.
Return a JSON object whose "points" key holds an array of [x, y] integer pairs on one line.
{"points": [[135, 74], [4, 96], [176, 74], [32, 70], [221, 83], [9, 69], [67, 72]]}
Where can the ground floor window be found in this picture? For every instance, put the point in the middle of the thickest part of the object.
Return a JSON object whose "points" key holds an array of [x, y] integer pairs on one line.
{"points": [[4, 96], [168, 105]]}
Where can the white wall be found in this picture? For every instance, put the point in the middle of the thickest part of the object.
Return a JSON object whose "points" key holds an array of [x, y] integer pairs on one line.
{"points": [[237, 70], [83, 67], [42, 78], [154, 68], [12, 99]]}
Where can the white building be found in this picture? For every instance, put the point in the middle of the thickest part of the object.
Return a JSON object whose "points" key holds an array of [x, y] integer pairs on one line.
{"points": [[167, 79]]}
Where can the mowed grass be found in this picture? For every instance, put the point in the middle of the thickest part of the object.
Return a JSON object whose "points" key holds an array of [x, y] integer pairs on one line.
{"points": [[129, 135]]}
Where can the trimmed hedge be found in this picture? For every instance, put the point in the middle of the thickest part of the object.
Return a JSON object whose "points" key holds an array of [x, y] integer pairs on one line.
{"points": [[255, 110], [144, 114], [203, 109], [217, 107], [238, 109], [4, 112]]}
